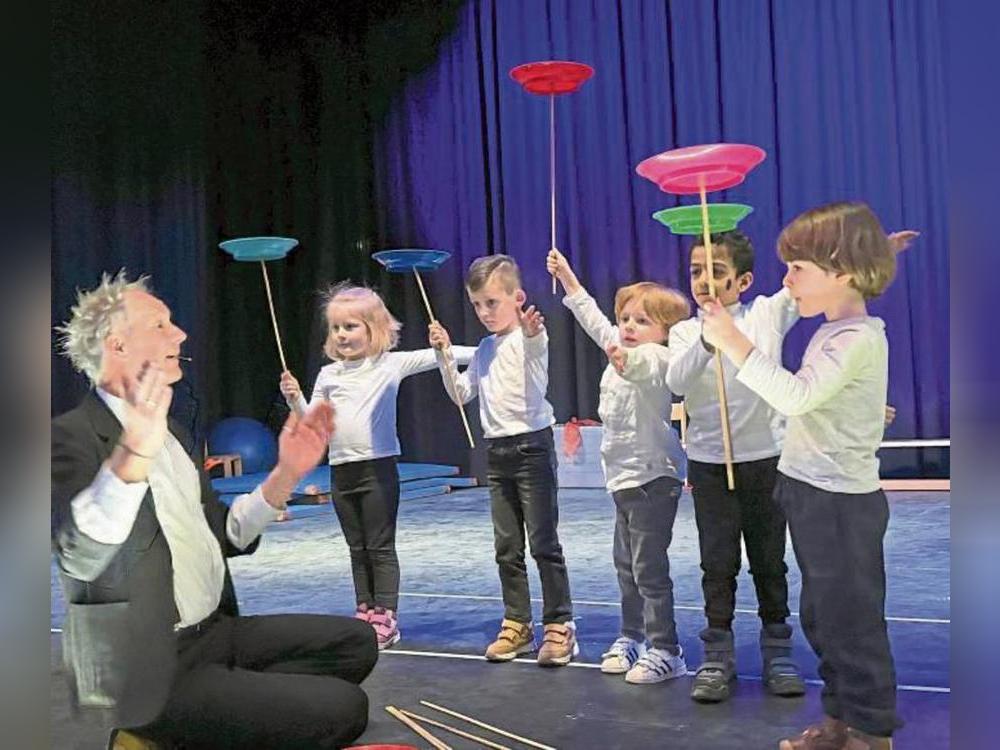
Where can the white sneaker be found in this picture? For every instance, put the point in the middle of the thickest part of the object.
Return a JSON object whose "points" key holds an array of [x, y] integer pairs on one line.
{"points": [[656, 665], [622, 656]]}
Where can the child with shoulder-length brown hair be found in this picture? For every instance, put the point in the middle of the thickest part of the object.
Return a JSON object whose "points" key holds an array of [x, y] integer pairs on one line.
{"points": [[362, 383], [638, 451], [838, 258]]}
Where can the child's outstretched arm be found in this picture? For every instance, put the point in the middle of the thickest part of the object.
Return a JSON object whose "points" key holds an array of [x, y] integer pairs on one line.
{"points": [[581, 304], [839, 361], [466, 387], [292, 392], [689, 355], [557, 265], [641, 363]]}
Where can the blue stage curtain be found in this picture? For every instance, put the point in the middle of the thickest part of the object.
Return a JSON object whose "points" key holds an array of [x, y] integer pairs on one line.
{"points": [[847, 98]]}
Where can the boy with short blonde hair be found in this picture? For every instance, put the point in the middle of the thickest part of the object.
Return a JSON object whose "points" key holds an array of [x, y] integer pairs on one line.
{"points": [[509, 373]]}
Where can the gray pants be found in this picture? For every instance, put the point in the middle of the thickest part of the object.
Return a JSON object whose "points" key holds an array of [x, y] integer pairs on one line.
{"points": [[644, 521]]}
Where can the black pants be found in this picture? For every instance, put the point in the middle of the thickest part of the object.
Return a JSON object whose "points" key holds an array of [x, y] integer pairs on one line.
{"points": [[275, 681], [366, 500], [837, 540], [644, 524], [723, 517], [521, 473]]}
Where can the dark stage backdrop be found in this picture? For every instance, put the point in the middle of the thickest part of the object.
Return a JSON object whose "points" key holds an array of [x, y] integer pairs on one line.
{"points": [[357, 126]]}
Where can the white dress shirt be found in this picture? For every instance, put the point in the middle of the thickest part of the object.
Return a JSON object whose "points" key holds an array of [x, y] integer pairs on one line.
{"points": [[107, 508], [363, 394], [835, 404], [756, 428], [510, 374], [638, 444]]}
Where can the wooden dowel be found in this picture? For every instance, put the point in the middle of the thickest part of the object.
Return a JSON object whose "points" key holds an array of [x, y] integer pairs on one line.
{"points": [[435, 742], [720, 384], [451, 378], [455, 730], [274, 319], [484, 725]]}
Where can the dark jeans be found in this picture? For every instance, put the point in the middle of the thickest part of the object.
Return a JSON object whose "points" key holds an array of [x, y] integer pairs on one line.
{"points": [[366, 500], [521, 473], [837, 539], [644, 523], [272, 681], [723, 517]]}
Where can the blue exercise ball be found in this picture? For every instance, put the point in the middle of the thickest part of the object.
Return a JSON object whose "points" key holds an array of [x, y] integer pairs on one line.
{"points": [[255, 444]]}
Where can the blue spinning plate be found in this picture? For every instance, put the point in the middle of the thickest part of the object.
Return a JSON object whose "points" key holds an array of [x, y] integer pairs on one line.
{"points": [[259, 248], [411, 259]]}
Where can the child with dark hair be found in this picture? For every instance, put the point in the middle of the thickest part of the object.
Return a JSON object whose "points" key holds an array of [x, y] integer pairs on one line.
{"points": [[749, 512]]}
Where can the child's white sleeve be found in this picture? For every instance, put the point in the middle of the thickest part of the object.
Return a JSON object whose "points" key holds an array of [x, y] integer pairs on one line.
{"points": [[466, 383], [591, 319], [839, 360], [647, 362], [688, 356], [422, 360], [780, 309]]}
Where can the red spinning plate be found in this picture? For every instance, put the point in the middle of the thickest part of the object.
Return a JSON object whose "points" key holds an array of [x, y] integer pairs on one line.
{"points": [[718, 165], [551, 76]]}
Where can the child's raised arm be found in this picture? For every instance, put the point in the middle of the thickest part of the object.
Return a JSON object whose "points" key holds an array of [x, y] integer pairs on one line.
{"points": [[466, 386]]}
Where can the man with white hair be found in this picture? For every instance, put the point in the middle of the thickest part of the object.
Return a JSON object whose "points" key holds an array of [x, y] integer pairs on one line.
{"points": [[152, 633]]}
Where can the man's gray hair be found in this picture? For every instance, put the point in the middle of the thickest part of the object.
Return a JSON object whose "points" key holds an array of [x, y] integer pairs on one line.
{"points": [[90, 322]]}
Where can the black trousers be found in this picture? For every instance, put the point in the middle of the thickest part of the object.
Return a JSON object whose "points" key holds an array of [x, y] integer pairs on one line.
{"points": [[273, 681], [366, 500], [837, 538], [723, 517], [521, 474]]}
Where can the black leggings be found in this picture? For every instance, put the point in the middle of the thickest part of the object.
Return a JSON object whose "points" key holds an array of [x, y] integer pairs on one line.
{"points": [[366, 500]]}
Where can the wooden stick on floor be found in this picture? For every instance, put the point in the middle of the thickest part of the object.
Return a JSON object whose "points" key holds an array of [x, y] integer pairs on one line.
{"points": [[459, 732], [435, 742], [484, 725]]}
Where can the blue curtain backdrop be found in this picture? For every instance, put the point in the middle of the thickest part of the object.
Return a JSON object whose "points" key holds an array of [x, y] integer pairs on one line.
{"points": [[846, 97]]}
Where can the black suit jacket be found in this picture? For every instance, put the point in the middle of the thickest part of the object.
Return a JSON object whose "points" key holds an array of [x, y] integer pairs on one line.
{"points": [[119, 644]]}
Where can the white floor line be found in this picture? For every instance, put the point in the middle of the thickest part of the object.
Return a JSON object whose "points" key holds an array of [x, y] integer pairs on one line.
{"points": [[687, 607], [588, 665]]}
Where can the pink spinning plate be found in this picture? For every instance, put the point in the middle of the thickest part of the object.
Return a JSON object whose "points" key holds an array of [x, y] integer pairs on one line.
{"points": [[718, 165]]}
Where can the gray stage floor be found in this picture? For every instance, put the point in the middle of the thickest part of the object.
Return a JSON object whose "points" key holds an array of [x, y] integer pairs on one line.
{"points": [[450, 609]]}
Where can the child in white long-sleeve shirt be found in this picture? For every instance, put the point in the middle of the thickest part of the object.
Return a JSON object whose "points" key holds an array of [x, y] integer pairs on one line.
{"points": [[639, 470], [362, 384], [510, 374], [828, 486], [748, 513]]}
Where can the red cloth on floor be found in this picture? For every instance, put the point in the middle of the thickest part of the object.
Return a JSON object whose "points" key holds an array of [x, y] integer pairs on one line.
{"points": [[572, 439]]}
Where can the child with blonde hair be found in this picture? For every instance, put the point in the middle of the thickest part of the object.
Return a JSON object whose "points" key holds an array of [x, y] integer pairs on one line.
{"points": [[636, 453], [362, 384], [838, 257]]}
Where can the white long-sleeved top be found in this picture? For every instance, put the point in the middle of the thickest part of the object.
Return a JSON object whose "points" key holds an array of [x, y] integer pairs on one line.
{"points": [[106, 510], [638, 444], [363, 394], [835, 404], [757, 429], [510, 374]]}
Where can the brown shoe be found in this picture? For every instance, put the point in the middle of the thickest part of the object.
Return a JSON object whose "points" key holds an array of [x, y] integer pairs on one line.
{"points": [[513, 639], [559, 645], [124, 740], [830, 735], [857, 740]]}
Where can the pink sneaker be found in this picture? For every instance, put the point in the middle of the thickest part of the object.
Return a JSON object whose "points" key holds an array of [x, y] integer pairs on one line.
{"points": [[363, 613], [386, 627]]}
